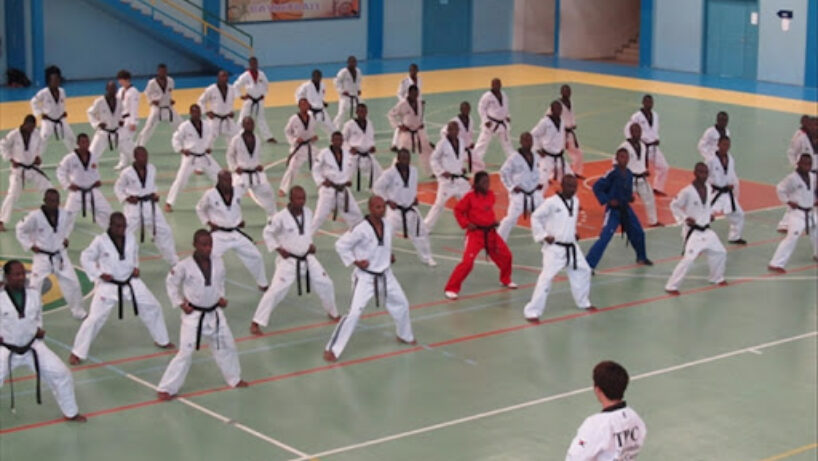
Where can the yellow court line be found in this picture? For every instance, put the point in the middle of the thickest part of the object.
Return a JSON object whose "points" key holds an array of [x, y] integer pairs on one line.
{"points": [[280, 94], [793, 452]]}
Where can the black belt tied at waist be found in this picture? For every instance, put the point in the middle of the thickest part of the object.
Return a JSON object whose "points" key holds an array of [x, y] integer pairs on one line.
{"points": [[255, 104], [497, 124], [353, 104], [371, 169], [573, 132], [121, 284], [453, 177], [557, 157], [30, 166], [222, 119], [252, 173], [298, 261], [528, 201], [376, 276], [640, 176], [316, 112], [486, 232], [170, 112], [570, 253], [468, 154], [405, 210], [413, 135], [806, 212], [233, 229], [22, 350], [59, 128], [113, 137], [721, 191], [299, 146], [86, 191], [204, 311], [649, 145], [142, 199], [51, 255], [624, 219], [690, 230], [339, 190]]}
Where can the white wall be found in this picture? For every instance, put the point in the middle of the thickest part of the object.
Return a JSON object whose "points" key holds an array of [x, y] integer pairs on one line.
{"points": [[534, 26], [781, 55], [595, 29]]}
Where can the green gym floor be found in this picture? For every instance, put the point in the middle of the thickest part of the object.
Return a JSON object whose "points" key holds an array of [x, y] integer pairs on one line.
{"points": [[718, 373]]}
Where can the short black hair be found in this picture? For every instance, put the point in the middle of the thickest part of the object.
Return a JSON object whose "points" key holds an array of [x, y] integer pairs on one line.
{"points": [[199, 233], [479, 175], [123, 74], [29, 119], [724, 138], [82, 135], [9, 265], [611, 378], [162, 65]]}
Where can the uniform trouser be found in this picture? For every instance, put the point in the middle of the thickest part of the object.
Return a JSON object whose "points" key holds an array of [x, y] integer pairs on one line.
{"points": [[122, 141], [612, 221], [224, 127], [16, 180], [476, 242], [660, 167], [346, 108], [190, 163], [734, 216], [164, 235], [518, 204], [62, 131], [158, 114], [105, 300], [245, 249], [248, 109], [42, 267], [554, 259], [700, 241], [574, 152], [796, 226], [417, 143], [285, 275], [221, 343], [100, 213], [363, 289], [553, 169], [502, 132], [446, 189], [260, 191], [367, 171], [330, 200], [416, 230], [127, 141], [303, 154], [642, 188], [52, 370], [322, 117]]}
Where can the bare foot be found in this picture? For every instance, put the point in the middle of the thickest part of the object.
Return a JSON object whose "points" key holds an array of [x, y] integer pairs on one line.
{"points": [[169, 345], [263, 288], [403, 341], [78, 418], [591, 309], [168, 208], [673, 292], [2, 227], [74, 360], [330, 357], [242, 383], [272, 140], [164, 396], [255, 329], [657, 224], [532, 320], [777, 270], [781, 231], [281, 193], [659, 192], [335, 319], [723, 283]]}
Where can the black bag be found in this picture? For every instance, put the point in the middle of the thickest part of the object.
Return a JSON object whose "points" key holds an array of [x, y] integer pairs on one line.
{"points": [[17, 78]]}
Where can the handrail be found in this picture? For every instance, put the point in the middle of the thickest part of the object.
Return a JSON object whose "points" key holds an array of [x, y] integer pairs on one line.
{"points": [[219, 20], [206, 25]]}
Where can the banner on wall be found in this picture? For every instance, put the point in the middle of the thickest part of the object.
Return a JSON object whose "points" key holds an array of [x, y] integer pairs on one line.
{"points": [[240, 11]]}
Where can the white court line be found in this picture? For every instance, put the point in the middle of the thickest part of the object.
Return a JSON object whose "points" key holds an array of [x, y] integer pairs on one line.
{"points": [[754, 278], [752, 349]]}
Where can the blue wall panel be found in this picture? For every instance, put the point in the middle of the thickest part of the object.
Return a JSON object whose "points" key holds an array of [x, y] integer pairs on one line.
{"points": [[781, 53], [492, 25]]}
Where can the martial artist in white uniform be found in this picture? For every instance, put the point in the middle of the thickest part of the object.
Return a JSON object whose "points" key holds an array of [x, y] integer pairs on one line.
{"points": [[315, 93], [348, 84], [220, 209], [217, 103], [464, 123], [159, 93], [128, 97], [201, 299], [398, 185], [244, 161], [798, 192], [403, 90], [253, 83], [407, 116], [112, 261], [801, 144], [648, 121], [22, 344], [22, 147], [49, 105], [105, 115], [45, 233], [359, 139], [520, 175], [368, 245], [136, 191], [288, 234], [549, 139], [332, 172], [448, 165], [638, 164], [79, 175], [709, 142], [570, 121], [617, 432], [194, 140], [495, 121], [554, 226], [300, 133], [724, 185], [691, 207]]}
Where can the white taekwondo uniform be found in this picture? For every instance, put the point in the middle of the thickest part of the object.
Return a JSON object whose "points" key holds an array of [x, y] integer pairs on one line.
{"points": [[202, 292], [221, 105], [88, 198], [20, 347], [405, 217], [617, 433], [129, 100], [362, 139], [292, 233], [414, 138], [198, 143], [518, 172], [362, 242], [144, 215], [571, 141], [113, 136], [800, 220], [346, 82], [448, 157], [336, 199], [51, 111], [253, 106], [495, 112], [161, 104], [725, 200], [36, 229], [246, 157], [650, 136], [557, 217], [403, 90], [316, 97], [709, 142], [638, 163], [299, 134], [549, 138], [466, 135], [698, 238], [226, 214], [799, 144], [103, 257], [14, 148]]}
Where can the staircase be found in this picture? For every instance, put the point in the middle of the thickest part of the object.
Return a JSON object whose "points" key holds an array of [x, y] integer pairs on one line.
{"points": [[629, 52], [187, 27]]}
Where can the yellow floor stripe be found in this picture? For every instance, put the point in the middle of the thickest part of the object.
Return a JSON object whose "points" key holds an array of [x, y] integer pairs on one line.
{"points": [[446, 81], [794, 452]]}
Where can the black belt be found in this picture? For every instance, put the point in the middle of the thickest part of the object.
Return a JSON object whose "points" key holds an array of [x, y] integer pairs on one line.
{"points": [[353, 103], [806, 212], [250, 172], [142, 199], [570, 253], [299, 146], [298, 261], [58, 133], [254, 105], [624, 219], [453, 177], [468, 153], [30, 166], [640, 176], [647, 157], [404, 210], [371, 170], [170, 112], [113, 137], [88, 191], [561, 159], [121, 284], [690, 230], [723, 190], [204, 311], [497, 124], [528, 201], [222, 119], [345, 191], [573, 132], [315, 112], [413, 134], [486, 232], [51, 255], [375, 277], [21, 350], [233, 229]]}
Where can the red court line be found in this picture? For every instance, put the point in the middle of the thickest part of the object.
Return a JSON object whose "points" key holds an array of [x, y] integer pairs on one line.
{"points": [[410, 350]]}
